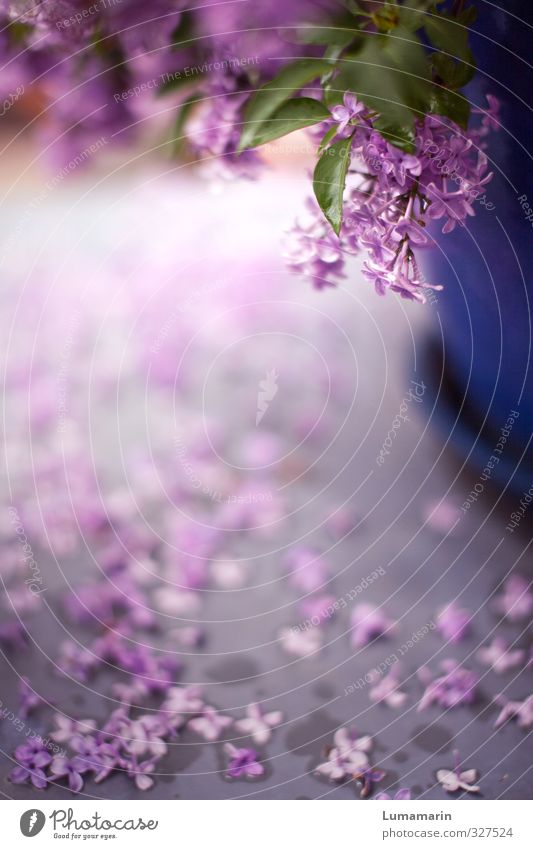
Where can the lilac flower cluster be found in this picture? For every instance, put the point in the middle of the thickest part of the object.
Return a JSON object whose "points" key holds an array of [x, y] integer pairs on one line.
{"points": [[392, 197], [132, 742]]}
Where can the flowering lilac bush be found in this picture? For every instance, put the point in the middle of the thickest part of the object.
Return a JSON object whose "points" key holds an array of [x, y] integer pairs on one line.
{"points": [[378, 85]]}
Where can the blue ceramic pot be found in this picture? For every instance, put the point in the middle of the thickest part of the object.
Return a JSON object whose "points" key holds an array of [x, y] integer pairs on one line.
{"points": [[487, 266]]}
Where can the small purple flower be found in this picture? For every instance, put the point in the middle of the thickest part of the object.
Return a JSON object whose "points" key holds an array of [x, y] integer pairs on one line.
{"points": [[300, 642], [258, 725], [491, 115], [210, 724], [308, 570], [456, 687], [521, 711], [318, 607], [515, 602], [183, 701], [368, 622], [72, 769], [67, 728], [453, 206], [499, 656], [453, 622], [242, 762], [441, 516], [345, 114], [347, 755], [141, 773], [401, 795], [29, 699], [368, 776], [386, 689], [146, 737], [453, 780], [32, 757]]}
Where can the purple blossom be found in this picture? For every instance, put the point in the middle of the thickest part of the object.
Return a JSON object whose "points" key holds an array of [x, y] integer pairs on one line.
{"points": [[499, 656], [347, 755], [72, 769], [453, 780], [441, 516], [242, 762], [402, 795], [29, 700], [515, 602], [68, 728], [210, 724], [390, 199], [368, 776], [183, 701], [522, 711], [368, 622], [300, 642], [308, 571], [258, 725], [386, 689], [141, 773], [146, 737], [490, 115], [32, 757], [318, 607], [457, 686], [345, 114], [453, 622]]}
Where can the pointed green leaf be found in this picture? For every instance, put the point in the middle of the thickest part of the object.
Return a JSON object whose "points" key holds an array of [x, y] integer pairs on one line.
{"points": [[329, 181], [293, 115], [270, 97]]}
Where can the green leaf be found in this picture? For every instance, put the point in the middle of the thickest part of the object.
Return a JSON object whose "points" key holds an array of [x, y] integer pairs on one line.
{"points": [[447, 34], [454, 74], [390, 74], [181, 119], [270, 97], [293, 115], [329, 180], [329, 136], [451, 104], [340, 35]]}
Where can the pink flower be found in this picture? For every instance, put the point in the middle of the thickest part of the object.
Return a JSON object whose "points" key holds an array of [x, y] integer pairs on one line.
{"points": [[521, 711], [453, 622], [456, 687], [300, 642], [386, 690], [368, 622], [402, 795], [68, 728], [347, 755], [242, 762], [516, 600], [344, 114], [453, 780], [259, 725], [210, 724], [499, 657]]}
